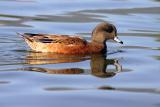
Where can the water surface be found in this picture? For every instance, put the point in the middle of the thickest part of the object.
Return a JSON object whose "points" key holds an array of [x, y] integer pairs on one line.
{"points": [[127, 75]]}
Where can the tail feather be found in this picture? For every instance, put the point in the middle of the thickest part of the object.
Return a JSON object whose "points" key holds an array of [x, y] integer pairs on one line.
{"points": [[19, 34], [25, 37]]}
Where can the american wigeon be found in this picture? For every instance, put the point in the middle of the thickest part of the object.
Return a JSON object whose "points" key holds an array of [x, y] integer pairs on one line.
{"points": [[68, 44]]}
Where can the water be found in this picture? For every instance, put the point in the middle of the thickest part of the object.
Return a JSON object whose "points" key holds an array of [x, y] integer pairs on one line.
{"points": [[128, 75]]}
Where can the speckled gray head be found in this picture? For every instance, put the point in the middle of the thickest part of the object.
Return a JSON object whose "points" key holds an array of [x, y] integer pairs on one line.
{"points": [[105, 31]]}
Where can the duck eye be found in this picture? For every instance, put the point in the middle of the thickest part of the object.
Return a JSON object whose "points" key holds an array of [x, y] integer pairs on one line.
{"points": [[109, 29]]}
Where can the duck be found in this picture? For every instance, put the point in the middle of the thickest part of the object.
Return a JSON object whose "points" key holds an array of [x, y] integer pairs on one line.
{"points": [[71, 44]]}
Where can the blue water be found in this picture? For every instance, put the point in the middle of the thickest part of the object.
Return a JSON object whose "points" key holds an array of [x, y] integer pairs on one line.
{"points": [[128, 75]]}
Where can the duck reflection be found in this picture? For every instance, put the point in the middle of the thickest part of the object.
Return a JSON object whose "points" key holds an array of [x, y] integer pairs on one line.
{"points": [[98, 64]]}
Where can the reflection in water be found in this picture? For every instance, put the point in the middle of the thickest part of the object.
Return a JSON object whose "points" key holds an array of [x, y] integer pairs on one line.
{"points": [[98, 64], [36, 58]]}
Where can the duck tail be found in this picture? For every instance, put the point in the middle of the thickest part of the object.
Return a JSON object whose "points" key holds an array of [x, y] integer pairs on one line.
{"points": [[25, 37], [21, 35]]}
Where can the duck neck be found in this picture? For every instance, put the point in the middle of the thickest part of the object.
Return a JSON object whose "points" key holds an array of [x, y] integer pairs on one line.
{"points": [[102, 43], [98, 41]]}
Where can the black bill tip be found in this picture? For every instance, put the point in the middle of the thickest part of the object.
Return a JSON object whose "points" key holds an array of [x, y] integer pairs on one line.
{"points": [[121, 42]]}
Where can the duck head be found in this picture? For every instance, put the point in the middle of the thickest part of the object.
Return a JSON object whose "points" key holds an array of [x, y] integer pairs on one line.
{"points": [[103, 32]]}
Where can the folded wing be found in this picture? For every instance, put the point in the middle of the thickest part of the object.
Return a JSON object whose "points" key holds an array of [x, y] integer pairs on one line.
{"points": [[57, 39]]}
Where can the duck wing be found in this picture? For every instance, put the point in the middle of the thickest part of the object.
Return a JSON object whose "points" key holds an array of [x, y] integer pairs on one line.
{"points": [[57, 39]]}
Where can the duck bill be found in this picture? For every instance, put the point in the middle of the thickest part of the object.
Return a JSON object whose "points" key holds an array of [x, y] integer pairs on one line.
{"points": [[117, 40]]}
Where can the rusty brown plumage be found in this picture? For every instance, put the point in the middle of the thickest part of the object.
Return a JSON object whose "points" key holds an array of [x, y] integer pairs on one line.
{"points": [[67, 44]]}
